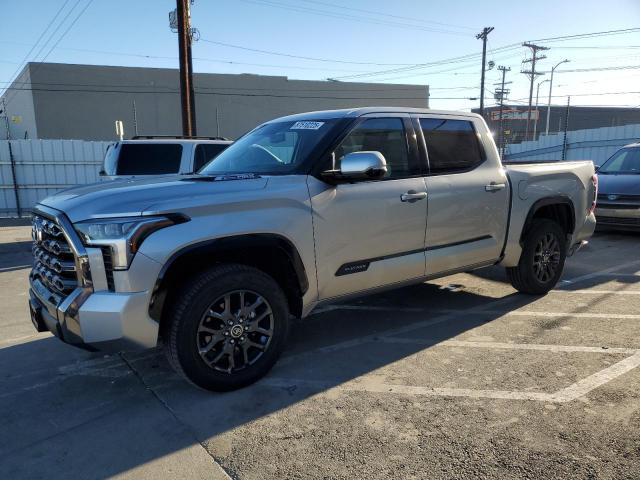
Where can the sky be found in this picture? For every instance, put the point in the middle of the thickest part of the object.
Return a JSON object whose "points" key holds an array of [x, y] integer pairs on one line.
{"points": [[401, 42]]}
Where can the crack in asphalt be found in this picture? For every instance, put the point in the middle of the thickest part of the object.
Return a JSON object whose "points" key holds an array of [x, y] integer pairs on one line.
{"points": [[229, 473]]}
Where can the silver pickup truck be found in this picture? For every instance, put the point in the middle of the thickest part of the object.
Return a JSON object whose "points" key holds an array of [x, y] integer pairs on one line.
{"points": [[301, 211]]}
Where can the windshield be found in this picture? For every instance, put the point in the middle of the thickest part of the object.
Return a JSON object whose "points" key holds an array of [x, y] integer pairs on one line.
{"points": [[277, 148], [625, 161]]}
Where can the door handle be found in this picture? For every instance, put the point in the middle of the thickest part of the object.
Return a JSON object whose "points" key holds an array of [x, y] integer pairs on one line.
{"points": [[494, 187], [413, 196]]}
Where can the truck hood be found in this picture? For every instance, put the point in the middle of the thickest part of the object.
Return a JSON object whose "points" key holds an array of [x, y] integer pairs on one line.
{"points": [[130, 197], [619, 184]]}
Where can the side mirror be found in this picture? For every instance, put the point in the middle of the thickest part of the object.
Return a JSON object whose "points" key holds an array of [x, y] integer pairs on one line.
{"points": [[359, 166], [597, 167]]}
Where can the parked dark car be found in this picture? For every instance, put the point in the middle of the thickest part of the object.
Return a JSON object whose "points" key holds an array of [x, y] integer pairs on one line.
{"points": [[619, 190]]}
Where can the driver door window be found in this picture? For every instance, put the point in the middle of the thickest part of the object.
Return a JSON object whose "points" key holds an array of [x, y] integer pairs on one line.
{"points": [[384, 135]]}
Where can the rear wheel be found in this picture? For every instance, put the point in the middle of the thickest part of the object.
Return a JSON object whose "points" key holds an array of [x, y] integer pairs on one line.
{"points": [[228, 327], [542, 259]]}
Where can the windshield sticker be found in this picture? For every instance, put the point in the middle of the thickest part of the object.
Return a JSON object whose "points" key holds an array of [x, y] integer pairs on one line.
{"points": [[306, 125]]}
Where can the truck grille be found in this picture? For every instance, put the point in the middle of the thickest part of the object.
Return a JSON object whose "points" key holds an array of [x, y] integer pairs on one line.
{"points": [[108, 266], [623, 198], [54, 263]]}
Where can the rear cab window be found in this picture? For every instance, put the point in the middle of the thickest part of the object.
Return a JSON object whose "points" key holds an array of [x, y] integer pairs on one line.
{"points": [[149, 158], [452, 145]]}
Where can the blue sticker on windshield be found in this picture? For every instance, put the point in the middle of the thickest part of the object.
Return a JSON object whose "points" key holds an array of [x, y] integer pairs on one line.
{"points": [[306, 125]]}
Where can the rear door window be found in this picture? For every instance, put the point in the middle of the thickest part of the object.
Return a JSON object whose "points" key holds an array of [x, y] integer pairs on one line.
{"points": [[452, 145], [149, 158], [205, 152]]}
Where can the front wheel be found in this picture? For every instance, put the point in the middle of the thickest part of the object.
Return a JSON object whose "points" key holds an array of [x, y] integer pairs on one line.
{"points": [[228, 327], [542, 259]]}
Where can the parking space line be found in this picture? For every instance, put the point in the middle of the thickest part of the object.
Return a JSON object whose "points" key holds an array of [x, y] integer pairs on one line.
{"points": [[512, 346], [586, 385], [564, 395], [529, 313], [371, 308], [18, 340], [598, 292], [365, 385], [600, 273], [441, 318], [17, 267], [451, 314]]}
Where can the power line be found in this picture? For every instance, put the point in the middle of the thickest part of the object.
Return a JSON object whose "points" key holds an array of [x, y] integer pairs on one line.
{"points": [[55, 31], [343, 16], [387, 14], [289, 55], [9, 98], [22, 62], [71, 90], [599, 69], [61, 37], [460, 59], [201, 59], [503, 49], [338, 88], [587, 35], [597, 94], [604, 47]]}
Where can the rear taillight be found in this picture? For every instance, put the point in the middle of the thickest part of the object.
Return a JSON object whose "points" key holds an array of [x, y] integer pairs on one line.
{"points": [[594, 181]]}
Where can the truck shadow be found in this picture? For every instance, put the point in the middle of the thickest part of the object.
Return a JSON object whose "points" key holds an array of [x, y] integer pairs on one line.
{"points": [[67, 413], [113, 414], [15, 255]]}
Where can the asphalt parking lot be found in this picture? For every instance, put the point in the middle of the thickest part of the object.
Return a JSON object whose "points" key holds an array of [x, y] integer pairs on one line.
{"points": [[455, 378]]}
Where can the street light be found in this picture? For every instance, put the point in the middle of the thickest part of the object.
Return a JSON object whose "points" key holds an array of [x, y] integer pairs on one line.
{"points": [[535, 124], [546, 131]]}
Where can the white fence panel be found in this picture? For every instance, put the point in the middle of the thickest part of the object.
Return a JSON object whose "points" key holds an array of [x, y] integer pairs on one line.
{"points": [[595, 144], [43, 167]]}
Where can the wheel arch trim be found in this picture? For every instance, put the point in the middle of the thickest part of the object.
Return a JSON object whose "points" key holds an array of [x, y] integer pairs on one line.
{"points": [[545, 202], [233, 242]]}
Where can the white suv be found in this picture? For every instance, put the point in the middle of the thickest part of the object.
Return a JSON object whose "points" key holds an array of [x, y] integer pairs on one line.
{"points": [[160, 155]]}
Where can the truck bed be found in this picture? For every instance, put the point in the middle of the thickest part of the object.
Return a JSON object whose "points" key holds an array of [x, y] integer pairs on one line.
{"points": [[568, 181]]}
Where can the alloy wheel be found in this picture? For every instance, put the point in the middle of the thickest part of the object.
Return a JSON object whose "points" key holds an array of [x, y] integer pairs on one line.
{"points": [[235, 331], [546, 258]]}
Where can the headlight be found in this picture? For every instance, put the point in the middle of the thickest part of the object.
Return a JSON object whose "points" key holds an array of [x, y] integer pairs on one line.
{"points": [[123, 235]]}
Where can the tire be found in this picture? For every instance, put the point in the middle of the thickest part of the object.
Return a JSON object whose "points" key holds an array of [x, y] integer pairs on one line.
{"points": [[538, 271], [245, 349]]}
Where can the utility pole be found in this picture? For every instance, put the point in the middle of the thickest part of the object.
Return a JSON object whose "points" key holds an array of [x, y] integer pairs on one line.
{"points": [[483, 35], [135, 119], [532, 75], [187, 97], [546, 130], [12, 160], [535, 124], [566, 127], [500, 95]]}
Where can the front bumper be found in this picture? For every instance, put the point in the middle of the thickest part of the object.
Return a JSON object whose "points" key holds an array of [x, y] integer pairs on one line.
{"points": [[91, 316], [617, 217], [104, 321]]}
